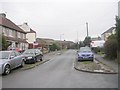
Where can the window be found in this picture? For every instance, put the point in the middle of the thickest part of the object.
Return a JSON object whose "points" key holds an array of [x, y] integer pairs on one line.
{"points": [[12, 54], [18, 34], [22, 35], [10, 33], [17, 53], [13, 33], [5, 31]]}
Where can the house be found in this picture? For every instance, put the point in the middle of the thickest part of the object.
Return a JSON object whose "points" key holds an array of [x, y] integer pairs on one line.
{"points": [[31, 34], [64, 44], [13, 34], [97, 42], [107, 33], [45, 43], [96, 38]]}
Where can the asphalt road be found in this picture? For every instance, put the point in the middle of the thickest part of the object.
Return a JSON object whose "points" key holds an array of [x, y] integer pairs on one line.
{"points": [[59, 73]]}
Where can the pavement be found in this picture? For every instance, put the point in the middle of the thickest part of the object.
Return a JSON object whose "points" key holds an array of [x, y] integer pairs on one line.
{"points": [[59, 72], [94, 67], [111, 63]]}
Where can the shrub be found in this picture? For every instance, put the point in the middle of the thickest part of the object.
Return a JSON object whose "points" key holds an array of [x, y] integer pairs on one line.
{"points": [[54, 47], [3, 43], [111, 48], [99, 50]]}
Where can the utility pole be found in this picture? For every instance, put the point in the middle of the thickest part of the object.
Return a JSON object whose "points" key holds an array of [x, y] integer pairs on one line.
{"points": [[87, 28], [61, 41], [77, 41]]}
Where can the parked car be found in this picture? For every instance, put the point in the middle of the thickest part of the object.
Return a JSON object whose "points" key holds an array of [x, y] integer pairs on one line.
{"points": [[10, 60], [85, 53], [33, 55], [16, 49]]}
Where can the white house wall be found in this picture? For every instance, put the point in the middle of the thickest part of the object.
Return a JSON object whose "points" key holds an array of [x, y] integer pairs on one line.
{"points": [[31, 37]]}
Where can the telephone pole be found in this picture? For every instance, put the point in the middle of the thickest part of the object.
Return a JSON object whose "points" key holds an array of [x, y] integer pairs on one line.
{"points": [[77, 41], [87, 28]]}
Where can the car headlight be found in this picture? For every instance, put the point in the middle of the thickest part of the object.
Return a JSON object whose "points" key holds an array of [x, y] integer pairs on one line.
{"points": [[0, 65], [79, 54], [29, 57], [92, 55]]}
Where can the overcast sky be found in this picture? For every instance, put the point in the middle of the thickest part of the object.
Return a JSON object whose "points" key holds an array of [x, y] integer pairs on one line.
{"points": [[55, 18]]}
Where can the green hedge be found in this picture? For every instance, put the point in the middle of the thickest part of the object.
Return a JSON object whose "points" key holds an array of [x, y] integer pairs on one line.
{"points": [[111, 48]]}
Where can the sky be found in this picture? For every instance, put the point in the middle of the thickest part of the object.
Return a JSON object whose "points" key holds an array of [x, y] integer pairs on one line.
{"points": [[62, 18]]}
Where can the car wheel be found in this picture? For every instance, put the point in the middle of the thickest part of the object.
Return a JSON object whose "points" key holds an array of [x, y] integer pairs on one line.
{"points": [[7, 70], [38, 60], [23, 63], [41, 59], [34, 61]]}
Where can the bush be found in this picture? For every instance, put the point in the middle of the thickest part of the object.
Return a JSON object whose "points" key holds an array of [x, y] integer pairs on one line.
{"points": [[111, 48], [54, 47], [3, 43], [99, 50]]}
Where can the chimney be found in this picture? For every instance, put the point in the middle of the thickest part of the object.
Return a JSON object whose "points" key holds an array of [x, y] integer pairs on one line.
{"points": [[26, 23], [3, 15]]}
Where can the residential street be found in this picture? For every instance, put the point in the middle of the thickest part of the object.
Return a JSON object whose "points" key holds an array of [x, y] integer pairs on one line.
{"points": [[59, 72]]}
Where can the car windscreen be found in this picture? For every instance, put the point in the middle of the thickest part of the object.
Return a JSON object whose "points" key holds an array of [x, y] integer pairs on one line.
{"points": [[29, 52], [85, 50], [4, 55]]}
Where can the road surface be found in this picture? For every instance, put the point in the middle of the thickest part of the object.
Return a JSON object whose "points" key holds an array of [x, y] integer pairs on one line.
{"points": [[59, 72]]}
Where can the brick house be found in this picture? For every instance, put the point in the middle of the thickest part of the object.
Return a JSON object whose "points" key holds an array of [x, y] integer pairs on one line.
{"points": [[13, 33]]}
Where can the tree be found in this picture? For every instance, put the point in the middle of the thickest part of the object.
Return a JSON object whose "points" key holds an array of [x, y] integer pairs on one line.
{"points": [[118, 36], [87, 41], [81, 44], [54, 47], [3, 43]]}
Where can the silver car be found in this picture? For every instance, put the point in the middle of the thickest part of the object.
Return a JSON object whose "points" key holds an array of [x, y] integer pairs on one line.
{"points": [[10, 60]]}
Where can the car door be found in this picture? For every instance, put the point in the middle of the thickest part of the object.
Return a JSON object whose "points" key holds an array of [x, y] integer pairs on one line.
{"points": [[18, 59], [37, 55], [40, 54], [12, 60]]}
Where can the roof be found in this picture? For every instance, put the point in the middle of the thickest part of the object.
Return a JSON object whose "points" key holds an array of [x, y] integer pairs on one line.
{"points": [[95, 38], [8, 23], [109, 30], [31, 31]]}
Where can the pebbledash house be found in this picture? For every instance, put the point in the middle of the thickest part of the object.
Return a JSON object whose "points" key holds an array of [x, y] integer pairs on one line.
{"points": [[13, 33]]}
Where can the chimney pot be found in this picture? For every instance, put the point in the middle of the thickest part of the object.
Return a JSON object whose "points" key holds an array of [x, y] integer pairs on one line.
{"points": [[25, 23], [3, 15]]}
